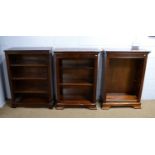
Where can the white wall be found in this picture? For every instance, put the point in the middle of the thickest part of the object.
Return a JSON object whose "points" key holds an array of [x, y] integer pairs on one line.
{"points": [[2, 101], [149, 82], [97, 42]]}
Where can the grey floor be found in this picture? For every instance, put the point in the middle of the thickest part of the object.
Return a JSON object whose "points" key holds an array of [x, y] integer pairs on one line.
{"points": [[148, 110]]}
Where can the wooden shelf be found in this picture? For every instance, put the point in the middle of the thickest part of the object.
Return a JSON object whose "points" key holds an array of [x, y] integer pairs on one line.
{"points": [[74, 97], [29, 65], [31, 101], [120, 97], [76, 84], [77, 102], [30, 92], [79, 68], [28, 78]]}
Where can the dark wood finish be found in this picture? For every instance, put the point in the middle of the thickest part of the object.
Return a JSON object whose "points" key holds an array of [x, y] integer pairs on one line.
{"points": [[122, 78], [76, 78], [29, 71]]}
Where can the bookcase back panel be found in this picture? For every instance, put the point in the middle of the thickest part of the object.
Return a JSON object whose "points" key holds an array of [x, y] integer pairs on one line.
{"points": [[75, 63], [28, 59], [31, 99], [77, 75], [77, 93], [124, 75], [35, 72], [30, 86]]}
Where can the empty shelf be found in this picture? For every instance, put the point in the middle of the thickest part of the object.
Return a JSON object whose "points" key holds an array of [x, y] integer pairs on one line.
{"points": [[76, 84], [120, 97]]}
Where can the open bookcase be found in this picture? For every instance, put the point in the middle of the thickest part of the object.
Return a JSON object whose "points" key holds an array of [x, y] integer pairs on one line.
{"points": [[123, 80], [29, 71], [76, 75]]}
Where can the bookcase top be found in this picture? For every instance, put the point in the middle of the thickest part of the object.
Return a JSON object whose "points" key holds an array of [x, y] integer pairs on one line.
{"points": [[125, 50], [29, 49], [77, 50]]}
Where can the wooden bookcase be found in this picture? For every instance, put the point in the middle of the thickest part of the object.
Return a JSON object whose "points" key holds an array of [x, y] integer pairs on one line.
{"points": [[76, 77], [122, 80], [29, 71]]}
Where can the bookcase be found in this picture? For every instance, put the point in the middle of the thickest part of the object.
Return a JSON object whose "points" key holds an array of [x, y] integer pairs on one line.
{"points": [[76, 77], [30, 76], [122, 78]]}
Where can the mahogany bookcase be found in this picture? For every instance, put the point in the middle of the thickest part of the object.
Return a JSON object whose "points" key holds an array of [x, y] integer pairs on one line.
{"points": [[30, 76], [76, 78], [122, 78]]}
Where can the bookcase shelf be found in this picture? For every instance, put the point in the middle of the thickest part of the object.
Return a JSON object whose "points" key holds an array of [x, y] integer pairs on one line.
{"points": [[31, 91], [28, 65], [76, 84], [30, 77], [77, 67], [120, 97]]}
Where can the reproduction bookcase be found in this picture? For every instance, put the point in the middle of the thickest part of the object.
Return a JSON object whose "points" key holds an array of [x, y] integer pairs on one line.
{"points": [[122, 78], [29, 71], [76, 78]]}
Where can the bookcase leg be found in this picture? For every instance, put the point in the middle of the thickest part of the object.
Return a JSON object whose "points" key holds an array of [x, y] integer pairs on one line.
{"points": [[59, 107], [106, 107], [50, 106], [137, 106], [13, 105], [92, 107]]}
